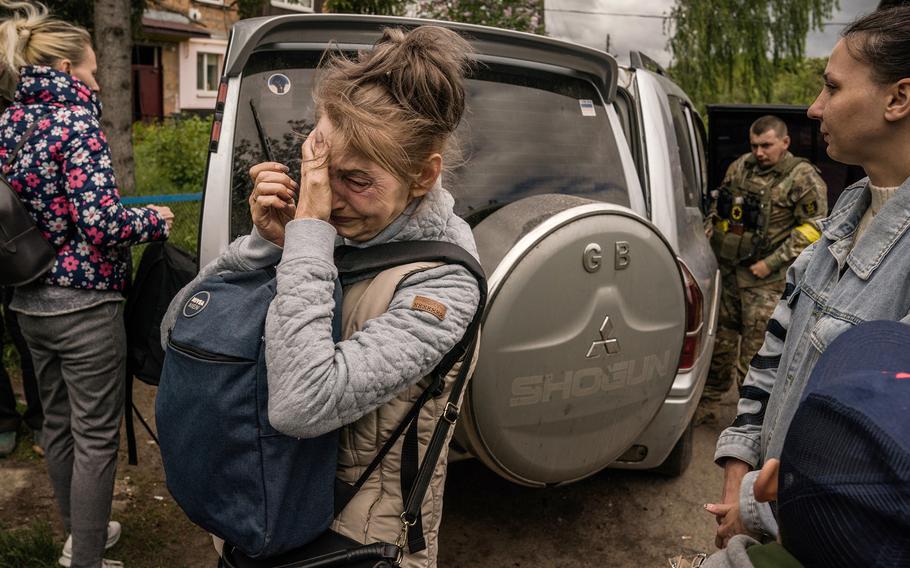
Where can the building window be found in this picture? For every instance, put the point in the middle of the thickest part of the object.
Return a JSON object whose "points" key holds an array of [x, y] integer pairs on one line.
{"points": [[201, 61], [297, 5], [207, 65]]}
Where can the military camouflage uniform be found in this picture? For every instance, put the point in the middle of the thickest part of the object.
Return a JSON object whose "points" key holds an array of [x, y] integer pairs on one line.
{"points": [[758, 214]]}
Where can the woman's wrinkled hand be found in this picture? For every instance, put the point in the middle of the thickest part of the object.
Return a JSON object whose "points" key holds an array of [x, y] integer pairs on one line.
{"points": [[316, 194], [272, 202]]}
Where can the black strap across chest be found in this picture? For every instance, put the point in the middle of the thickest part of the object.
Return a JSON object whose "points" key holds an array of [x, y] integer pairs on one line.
{"points": [[356, 263]]}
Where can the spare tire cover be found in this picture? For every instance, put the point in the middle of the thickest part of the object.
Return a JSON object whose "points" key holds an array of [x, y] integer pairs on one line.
{"points": [[581, 337]]}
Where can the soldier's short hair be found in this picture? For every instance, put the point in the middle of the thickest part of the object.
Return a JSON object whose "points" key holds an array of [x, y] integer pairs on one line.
{"points": [[769, 122]]}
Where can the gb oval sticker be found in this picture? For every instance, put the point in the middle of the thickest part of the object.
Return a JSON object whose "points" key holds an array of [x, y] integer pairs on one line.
{"points": [[196, 304]]}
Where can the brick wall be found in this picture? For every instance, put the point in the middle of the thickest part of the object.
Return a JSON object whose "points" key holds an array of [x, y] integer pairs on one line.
{"points": [[217, 19], [178, 57], [171, 77]]}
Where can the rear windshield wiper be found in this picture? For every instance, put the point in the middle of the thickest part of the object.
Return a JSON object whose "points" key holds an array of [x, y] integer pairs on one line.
{"points": [[263, 139]]}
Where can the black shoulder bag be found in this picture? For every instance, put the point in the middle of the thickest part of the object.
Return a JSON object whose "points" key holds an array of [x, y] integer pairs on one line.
{"points": [[333, 550], [24, 252]]}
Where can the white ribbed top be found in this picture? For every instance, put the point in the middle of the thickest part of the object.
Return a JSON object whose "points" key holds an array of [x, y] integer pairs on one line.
{"points": [[879, 196]]}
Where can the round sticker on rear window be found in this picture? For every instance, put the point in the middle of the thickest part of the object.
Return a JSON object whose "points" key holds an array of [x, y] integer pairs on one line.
{"points": [[279, 84]]}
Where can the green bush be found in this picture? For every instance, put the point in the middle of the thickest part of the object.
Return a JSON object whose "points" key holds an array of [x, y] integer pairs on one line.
{"points": [[184, 232], [170, 158], [170, 155]]}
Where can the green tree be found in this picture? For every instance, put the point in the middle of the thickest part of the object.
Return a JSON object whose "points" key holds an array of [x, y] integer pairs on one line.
{"points": [[82, 12], [719, 46], [251, 8], [800, 83], [791, 83], [521, 15], [79, 12], [378, 7]]}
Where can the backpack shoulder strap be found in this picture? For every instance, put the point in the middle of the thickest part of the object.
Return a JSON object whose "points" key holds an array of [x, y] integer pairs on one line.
{"points": [[25, 137], [404, 258], [355, 263]]}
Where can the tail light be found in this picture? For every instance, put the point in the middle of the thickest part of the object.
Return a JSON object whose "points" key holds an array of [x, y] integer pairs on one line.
{"points": [[222, 94], [695, 324], [219, 115]]}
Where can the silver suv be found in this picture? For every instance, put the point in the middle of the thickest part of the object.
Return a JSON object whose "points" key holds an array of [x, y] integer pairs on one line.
{"points": [[583, 183]]}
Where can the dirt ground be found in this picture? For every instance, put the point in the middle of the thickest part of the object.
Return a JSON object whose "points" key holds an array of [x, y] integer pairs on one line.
{"points": [[156, 533], [616, 518]]}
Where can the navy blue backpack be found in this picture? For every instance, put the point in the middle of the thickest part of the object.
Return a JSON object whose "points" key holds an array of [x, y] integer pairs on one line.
{"points": [[234, 475], [228, 469]]}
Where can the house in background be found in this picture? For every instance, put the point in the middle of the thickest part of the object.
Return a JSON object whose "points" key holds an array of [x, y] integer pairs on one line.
{"points": [[177, 61]]}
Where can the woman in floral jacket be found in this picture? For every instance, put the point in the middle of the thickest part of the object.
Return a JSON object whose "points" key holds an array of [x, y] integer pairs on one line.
{"points": [[72, 316]]}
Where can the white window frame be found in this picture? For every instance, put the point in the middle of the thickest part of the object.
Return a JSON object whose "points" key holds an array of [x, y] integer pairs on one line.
{"points": [[297, 6], [189, 97], [695, 143], [218, 62]]}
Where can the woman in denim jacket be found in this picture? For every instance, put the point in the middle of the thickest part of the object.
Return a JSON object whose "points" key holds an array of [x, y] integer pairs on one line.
{"points": [[857, 271]]}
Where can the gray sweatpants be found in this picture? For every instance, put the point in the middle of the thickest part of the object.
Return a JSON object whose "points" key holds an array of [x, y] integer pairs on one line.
{"points": [[80, 361]]}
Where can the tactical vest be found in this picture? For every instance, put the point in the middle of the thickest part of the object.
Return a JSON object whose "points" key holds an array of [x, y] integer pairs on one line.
{"points": [[744, 210]]}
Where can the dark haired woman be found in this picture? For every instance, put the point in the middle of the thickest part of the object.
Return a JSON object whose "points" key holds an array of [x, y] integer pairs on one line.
{"points": [[858, 270]]}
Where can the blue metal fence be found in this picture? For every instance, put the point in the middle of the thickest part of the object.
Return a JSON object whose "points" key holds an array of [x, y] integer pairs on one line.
{"points": [[158, 199]]}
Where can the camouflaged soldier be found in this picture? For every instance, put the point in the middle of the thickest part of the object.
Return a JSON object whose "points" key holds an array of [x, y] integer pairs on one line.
{"points": [[763, 215]]}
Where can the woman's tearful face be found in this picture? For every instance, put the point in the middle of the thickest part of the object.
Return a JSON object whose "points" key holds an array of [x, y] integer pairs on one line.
{"points": [[365, 197]]}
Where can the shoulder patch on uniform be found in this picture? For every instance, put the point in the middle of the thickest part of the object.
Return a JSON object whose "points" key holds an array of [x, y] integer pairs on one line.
{"points": [[430, 306], [811, 208]]}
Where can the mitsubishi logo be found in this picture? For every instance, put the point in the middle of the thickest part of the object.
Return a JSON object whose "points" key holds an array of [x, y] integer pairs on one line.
{"points": [[609, 344]]}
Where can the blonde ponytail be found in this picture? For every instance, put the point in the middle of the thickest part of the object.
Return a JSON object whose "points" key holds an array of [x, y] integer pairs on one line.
{"points": [[30, 36]]}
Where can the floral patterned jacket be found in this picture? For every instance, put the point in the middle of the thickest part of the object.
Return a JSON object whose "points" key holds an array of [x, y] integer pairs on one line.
{"points": [[63, 176]]}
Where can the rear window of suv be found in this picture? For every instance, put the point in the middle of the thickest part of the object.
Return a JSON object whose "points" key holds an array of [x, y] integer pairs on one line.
{"points": [[526, 132]]}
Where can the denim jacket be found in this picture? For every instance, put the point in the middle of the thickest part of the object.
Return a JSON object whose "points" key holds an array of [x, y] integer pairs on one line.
{"points": [[831, 287]]}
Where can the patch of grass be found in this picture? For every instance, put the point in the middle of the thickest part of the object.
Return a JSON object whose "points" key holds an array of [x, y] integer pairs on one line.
{"points": [[29, 547], [11, 358], [152, 527], [24, 443], [156, 531]]}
